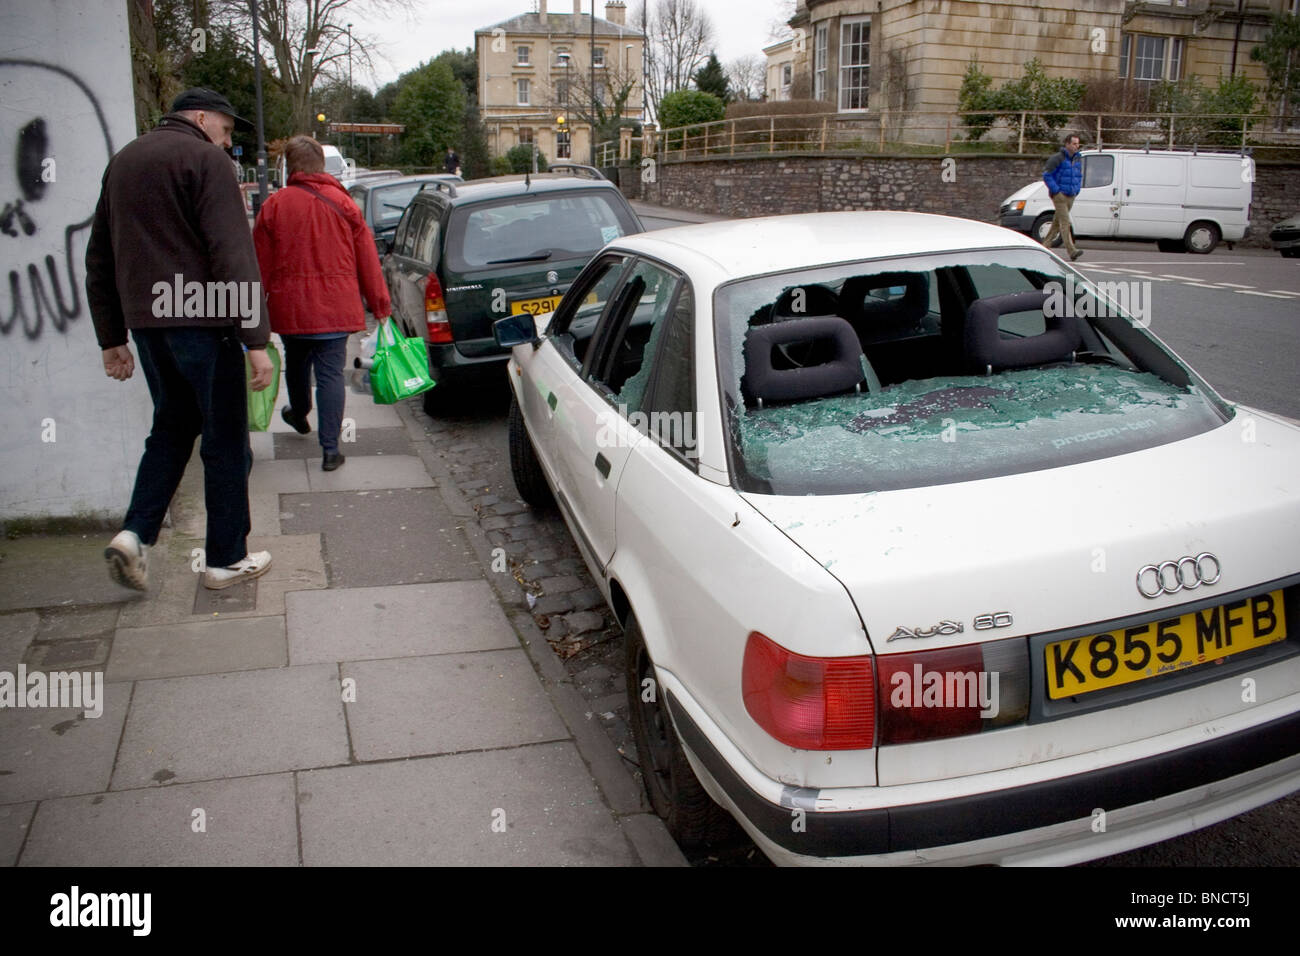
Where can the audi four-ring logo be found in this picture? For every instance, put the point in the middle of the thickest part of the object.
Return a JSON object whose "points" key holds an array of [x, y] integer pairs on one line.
{"points": [[1185, 574]]}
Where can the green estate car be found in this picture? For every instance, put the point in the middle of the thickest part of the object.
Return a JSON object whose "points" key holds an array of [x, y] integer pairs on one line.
{"points": [[466, 254]]}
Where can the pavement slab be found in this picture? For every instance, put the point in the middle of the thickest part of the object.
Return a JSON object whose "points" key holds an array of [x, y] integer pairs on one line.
{"points": [[371, 471], [369, 441], [184, 729], [59, 624], [420, 539], [441, 811], [205, 647], [57, 752], [452, 702], [278, 477], [411, 620], [247, 821], [15, 820], [16, 632], [57, 571], [297, 564]]}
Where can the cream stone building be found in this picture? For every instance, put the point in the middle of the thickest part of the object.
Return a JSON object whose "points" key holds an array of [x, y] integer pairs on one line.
{"points": [[780, 70], [536, 71], [872, 55]]}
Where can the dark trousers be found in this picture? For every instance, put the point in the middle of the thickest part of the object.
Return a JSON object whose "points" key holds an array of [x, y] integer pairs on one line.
{"points": [[326, 356], [196, 378]]}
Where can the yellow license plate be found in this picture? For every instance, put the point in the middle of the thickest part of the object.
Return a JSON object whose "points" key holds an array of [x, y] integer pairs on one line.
{"points": [[535, 306], [1081, 665]]}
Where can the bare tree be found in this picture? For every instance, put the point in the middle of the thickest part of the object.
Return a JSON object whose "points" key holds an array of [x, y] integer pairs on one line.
{"points": [[748, 77], [778, 27], [680, 36], [304, 39], [602, 108]]}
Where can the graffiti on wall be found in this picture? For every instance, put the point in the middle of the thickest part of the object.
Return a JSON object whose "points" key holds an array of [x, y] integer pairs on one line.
{"points": [[54, 145]]}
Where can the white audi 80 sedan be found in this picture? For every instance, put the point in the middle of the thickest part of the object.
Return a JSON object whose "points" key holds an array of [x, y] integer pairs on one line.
{"points": [[926, 549]]}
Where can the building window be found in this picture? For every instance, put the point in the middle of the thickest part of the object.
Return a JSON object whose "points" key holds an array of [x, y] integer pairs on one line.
{"points": [[561, 55], [599, 89], [819, 61], [1149, 59], [562, 146], [598, 57], [521, 56], [562, 92], [787, 76], [522, 96], [526, 136], [855, 63]]}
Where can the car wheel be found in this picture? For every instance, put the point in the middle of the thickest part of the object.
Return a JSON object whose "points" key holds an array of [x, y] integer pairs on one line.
{"points": [[675, 793], [1291, 253], [1201, 237], [1170, 245], [434, 401], [1042, 225], [524, 466]]}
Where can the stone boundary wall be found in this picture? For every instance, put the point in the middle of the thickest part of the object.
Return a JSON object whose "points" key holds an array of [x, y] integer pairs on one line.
{"points": [[794, 183]]}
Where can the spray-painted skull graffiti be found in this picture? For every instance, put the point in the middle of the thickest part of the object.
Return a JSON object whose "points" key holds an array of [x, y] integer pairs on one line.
{"points": [[54, 145]]}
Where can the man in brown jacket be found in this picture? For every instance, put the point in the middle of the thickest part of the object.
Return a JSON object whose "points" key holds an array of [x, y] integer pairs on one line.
{"points": [[171, 259]]}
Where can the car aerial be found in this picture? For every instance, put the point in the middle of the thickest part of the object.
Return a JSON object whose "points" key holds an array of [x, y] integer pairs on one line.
{"points": [[1285, 237], [382, 201], [466, 254], [925, 548]]}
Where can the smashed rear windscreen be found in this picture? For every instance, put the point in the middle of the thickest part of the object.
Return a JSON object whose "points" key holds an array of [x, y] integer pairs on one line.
{"points": [[935, 369]]}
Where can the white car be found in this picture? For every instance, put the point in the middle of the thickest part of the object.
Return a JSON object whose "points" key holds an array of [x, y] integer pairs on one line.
{"points": [[926, 550]]}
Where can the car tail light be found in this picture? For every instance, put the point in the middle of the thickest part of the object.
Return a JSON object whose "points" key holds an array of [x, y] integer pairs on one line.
{"points": [[952, 691], [435, 311], [813, 703]]}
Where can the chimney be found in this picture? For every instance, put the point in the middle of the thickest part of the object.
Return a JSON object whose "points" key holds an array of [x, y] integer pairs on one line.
{"points": [[541, 11], [616, 12], [577, 8]]}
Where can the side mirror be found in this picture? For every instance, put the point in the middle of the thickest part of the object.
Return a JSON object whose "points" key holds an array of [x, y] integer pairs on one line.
{"points": [[515, 330], [385, 246]]}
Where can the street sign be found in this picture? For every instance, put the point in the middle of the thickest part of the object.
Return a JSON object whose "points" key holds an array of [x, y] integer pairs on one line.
{"points": [[374, 129], [237, 151]]}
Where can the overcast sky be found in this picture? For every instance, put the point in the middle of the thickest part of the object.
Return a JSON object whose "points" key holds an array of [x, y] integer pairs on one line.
{"points": [[404, 42]]}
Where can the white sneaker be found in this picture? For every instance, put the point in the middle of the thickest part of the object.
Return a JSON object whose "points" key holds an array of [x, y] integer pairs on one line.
{"points": [[254, 565], [128, 561]]}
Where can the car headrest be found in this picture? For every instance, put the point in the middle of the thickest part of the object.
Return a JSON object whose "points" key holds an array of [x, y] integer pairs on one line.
{"points": [[804, 301], [858, 305], [841, 372], [986, 348]]}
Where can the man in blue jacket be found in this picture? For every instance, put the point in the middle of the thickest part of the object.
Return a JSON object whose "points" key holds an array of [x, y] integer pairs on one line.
{"points": [[1064, 177]]}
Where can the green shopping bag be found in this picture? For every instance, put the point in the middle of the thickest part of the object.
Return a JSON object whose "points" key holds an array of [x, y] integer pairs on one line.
{"points": [[262, 404], [401, 367]]}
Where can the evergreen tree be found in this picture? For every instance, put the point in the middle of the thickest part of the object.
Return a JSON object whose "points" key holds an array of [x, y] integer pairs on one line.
{"points": [[712, 78]]}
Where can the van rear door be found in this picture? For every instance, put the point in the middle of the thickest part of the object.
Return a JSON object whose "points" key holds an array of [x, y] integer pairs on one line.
{"points": [[1153, 190], [1219, 190]]}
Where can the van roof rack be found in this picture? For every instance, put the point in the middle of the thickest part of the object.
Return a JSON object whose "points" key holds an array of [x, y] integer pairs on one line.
{"points": [[578, 169]]}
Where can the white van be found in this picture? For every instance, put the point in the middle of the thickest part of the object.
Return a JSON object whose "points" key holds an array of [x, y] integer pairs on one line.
{"points": [[1181, 199], [335, 165]]}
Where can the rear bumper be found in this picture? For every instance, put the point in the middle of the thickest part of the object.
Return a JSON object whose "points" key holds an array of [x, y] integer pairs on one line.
{"points": [[1047, 822], [448, 365]]}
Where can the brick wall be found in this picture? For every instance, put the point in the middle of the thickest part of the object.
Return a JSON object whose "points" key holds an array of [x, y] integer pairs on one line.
{"points": [[764, 186]]}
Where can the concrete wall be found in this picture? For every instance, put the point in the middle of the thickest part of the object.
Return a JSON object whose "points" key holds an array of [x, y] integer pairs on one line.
{"points": [[784, 184], [70, 437]]}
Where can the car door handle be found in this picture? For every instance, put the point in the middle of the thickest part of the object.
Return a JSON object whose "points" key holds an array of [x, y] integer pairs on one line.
{"points": [[602, 465]]}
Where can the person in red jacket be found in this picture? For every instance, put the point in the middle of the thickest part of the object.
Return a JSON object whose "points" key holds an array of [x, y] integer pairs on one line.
{"points": [[318, 260]]}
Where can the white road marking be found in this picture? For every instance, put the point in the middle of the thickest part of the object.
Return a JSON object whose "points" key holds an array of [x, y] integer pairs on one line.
{"points": [[1269, 295], [1239, 285], [1283, 292]]}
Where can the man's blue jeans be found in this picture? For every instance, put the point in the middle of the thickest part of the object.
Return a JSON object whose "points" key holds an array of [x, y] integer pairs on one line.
{"points": [[301, 355], [196, 377]]}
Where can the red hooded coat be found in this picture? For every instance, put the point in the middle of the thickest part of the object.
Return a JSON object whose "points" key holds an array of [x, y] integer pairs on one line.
{"points": [[316, 261]]}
